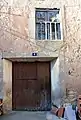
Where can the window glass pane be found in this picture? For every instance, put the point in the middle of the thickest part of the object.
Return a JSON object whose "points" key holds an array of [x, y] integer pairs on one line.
{"points": [[43, 31], [52, 15], [48, 30], [38, 31], [40, 16], [58, 30], [53, 30]]}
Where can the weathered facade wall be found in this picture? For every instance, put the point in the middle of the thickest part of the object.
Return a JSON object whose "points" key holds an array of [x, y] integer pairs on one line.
{"points": [[73, 48], [17, 31]]}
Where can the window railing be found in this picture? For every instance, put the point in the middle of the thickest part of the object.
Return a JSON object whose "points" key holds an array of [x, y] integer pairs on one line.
{"points": [[48, 31]]}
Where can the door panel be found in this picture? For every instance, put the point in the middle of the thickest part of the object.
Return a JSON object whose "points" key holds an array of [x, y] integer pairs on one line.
{"points": [[31, 86], [43, 77]]}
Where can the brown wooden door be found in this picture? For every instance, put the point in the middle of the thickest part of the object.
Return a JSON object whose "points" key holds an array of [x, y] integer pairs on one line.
{"points": [[31, 89]]}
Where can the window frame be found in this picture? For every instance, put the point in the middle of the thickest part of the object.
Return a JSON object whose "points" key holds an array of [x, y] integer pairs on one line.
{"points": [[49, 22]]}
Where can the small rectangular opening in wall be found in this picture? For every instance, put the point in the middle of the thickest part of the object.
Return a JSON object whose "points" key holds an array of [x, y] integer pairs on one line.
{"points": [[48, 24]]}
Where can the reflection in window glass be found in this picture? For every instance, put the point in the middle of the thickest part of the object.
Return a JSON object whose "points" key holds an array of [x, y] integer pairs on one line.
{"points": [[43, 31], [53, 30], [48, 31], [38, 29], [40, 16], [58, 31], [52, 14]]}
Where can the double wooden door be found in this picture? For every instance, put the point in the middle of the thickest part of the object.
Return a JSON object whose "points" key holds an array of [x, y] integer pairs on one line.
{"points": [[31, 86]]}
